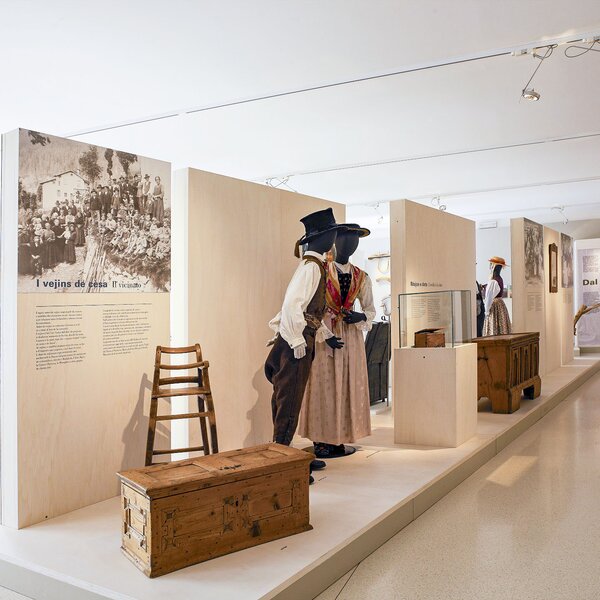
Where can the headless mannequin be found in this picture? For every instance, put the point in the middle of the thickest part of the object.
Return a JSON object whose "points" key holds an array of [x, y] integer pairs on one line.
{"points": [[497, 319], [346, 245], [497, 269]]}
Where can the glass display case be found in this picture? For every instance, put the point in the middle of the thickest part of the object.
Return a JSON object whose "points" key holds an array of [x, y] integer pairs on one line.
{"points": [[435, 319]]}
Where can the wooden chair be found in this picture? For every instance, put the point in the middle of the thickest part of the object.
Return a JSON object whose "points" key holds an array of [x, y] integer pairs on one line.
{"points": [[200, 387]]}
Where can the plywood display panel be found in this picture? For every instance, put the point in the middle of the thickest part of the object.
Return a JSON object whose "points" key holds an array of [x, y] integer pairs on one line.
{"points": [[435, 399], [431, 250], [77, 366], [552, 307], [241, 239], [82, 422], [567, 310], [528, 260], [534, 307], [567, 303]]}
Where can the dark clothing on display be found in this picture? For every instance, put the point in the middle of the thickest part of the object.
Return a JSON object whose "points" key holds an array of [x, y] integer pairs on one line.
{"points": [[378, 350], [500, 282], [345, 279], [289, 375], [480, 310]]}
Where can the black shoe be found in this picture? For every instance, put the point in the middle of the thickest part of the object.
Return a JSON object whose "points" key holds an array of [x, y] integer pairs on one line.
{"points": [[317, 465], [311, 480], [326, 451]]}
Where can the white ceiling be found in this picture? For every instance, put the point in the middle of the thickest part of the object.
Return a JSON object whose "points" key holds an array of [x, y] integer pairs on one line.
{"points": [[77, 66]]}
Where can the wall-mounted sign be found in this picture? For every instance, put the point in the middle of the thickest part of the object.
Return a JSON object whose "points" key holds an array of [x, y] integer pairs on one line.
{"points": [[588, 273]]}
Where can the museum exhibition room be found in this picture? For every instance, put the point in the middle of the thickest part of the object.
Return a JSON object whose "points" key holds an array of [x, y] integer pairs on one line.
{"points": [[300, 300]]}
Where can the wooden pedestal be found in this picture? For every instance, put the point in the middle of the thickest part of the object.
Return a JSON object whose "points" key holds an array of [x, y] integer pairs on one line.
{"points": [[507, 366], [435, 393]]}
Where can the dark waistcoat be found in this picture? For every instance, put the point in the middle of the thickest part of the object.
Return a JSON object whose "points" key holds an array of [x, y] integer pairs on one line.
{"points": [[501, 284], [317, 304]]}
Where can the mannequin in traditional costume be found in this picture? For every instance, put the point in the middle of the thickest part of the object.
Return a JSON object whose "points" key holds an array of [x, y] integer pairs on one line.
{"points": [[298, 326], [335, 410], [497, 319]]}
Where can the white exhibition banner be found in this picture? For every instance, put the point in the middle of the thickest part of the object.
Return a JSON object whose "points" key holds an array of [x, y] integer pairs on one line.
{"points": [[588, 293]]}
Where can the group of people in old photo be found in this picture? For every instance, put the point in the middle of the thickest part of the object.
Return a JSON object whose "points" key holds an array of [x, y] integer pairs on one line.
{"points": [[126, 216]]}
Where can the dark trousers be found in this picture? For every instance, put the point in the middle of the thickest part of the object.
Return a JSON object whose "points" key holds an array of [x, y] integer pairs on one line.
{"points": [[480, 322], [289, 377]]}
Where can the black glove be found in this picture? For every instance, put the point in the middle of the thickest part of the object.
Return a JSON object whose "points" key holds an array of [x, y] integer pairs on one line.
{"points": [[335, 342], [351, 316]]}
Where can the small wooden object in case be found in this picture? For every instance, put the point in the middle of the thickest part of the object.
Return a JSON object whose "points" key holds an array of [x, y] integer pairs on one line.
{"points": [[430, 338], [189, 511]]}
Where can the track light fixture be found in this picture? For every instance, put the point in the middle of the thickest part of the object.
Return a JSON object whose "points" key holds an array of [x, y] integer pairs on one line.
{"points": [[436, 201], [380, 217], [561, 210], [575, 51], [528, 92], [277, 182]]}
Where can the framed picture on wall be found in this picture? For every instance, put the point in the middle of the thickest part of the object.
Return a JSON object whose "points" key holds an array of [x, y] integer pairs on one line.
{"points": [[553, 257], [534, 252], [566, 247]]}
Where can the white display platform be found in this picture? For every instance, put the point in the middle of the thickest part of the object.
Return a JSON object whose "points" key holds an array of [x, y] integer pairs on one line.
{"points": [[357, 503], [435, 395]]}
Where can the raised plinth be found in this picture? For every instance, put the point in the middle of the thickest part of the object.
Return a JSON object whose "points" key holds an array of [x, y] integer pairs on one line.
{"points": [[435, 395]]}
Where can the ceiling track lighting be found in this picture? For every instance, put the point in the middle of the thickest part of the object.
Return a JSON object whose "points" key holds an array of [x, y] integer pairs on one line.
{"points": [[528, 92], [575, 51], [561, 210], [380, 218], [436, 202], [277, 182], [531, 94]]}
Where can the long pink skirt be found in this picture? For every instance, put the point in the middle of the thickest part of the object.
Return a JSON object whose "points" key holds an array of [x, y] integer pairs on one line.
{"points": [[335, 409]]}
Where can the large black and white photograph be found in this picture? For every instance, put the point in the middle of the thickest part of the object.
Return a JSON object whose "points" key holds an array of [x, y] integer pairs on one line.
{"points": [[91, 219], [534, 252], [566, 261]]}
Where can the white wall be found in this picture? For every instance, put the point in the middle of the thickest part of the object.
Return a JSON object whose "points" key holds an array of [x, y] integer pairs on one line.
{"points": [[579, 230], [492, 242], [377, 242]]}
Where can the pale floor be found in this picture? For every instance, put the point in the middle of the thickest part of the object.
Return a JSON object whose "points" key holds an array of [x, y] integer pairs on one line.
{"points": [[526, 525], [10, 595], [82, 546]]}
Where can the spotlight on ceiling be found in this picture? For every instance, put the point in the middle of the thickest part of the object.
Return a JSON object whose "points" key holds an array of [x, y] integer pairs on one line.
{"points": [[528, 92], [436, 201], [531, 94], [561, 210]]}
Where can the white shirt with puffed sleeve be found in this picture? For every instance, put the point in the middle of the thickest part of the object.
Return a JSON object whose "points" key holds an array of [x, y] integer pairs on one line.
{"points": [[290, 322]]}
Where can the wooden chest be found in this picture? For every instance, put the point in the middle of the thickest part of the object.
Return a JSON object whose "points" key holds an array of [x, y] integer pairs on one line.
{"points": [[507, 366], [185, 512], [430, 338]]}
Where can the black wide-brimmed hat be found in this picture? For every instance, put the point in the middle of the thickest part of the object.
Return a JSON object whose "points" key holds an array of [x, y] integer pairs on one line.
{"points": [[355, 228], [315, 225]]}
